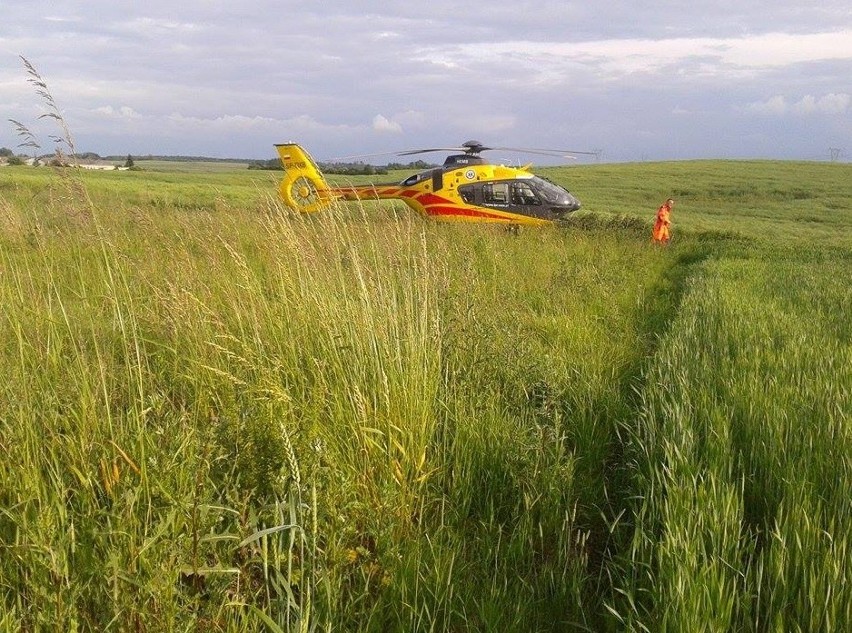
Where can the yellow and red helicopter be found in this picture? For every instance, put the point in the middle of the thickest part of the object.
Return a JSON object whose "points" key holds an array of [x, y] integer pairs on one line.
{"points": [[464, 189]]}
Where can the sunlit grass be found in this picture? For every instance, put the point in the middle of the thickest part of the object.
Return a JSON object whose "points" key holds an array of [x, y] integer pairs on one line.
{"points": [[743, 452]]}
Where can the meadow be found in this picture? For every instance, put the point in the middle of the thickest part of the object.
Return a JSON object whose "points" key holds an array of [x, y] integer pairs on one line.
{"points": [[218, 415]]}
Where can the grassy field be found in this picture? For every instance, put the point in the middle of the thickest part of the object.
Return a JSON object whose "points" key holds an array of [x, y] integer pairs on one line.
{"points": [[190, 166], [220, 416]]}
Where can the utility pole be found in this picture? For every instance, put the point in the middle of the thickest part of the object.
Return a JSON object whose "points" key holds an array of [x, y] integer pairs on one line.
{"points": [[835, 153]]}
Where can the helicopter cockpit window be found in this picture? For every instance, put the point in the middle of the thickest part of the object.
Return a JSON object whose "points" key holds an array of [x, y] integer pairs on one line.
{"points": [[468, 193], [495, 193], [414, 179], [552, 193], [523, 194]]}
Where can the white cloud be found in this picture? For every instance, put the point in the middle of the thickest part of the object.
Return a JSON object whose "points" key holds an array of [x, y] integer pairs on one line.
{"points": [[60, 19], [385, 35], [832, 103], [148, 25], [229, 123], [383, 124], [124, 112], [807, 105], [618, 57], [776, 105]]}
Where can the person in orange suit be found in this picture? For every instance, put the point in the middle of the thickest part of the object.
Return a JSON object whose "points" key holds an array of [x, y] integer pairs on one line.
{"points": [[662, 231]]}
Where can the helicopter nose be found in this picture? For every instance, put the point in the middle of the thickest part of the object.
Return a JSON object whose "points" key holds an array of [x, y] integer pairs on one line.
{"points": [[572, 203]]}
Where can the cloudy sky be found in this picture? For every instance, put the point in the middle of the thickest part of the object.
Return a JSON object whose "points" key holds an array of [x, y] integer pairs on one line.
{"points": [[636, 79]]}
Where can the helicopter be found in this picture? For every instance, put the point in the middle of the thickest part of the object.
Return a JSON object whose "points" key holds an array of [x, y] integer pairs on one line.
{"points": [[465, 188]]}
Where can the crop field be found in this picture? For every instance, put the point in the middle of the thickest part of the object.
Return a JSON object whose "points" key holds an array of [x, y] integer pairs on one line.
{"points": [[218, 415]]}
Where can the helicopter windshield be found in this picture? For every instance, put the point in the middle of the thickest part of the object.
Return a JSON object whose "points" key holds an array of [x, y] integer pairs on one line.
{"points": [[551, 192]]}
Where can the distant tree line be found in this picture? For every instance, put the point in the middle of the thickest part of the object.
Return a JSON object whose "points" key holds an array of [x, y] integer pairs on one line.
{"points": [[346, 169], [10, 156], [352, 169], [417, 164], [59, 160], [181, 159]]}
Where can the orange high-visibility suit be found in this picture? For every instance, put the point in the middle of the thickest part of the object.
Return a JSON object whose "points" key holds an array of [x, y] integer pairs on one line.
{"points": [[662, 233]]}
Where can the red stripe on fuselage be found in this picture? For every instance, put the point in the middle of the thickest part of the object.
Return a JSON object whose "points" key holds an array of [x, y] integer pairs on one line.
{"points": [[463, 212], [431, 203]]}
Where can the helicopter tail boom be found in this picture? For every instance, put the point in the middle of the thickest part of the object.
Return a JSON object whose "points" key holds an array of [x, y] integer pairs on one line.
{"points": [[303, 187]]}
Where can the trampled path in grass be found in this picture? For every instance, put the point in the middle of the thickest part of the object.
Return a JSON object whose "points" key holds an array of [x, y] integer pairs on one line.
{"points": [[743, 451]]}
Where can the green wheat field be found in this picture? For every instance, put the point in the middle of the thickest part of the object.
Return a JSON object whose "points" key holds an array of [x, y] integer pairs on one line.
{"points": [[218, 415]]}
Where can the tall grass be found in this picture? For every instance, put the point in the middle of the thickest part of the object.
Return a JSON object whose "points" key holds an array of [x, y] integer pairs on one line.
{"points": [[743, 454], [239, 419]]}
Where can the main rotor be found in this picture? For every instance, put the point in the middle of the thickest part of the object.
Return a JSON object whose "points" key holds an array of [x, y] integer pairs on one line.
{"points": [[468, 153]]}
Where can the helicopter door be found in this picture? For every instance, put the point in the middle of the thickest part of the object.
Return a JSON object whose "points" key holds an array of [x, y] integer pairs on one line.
{"points": [[523, 194], [437, 180], [495, 194]]}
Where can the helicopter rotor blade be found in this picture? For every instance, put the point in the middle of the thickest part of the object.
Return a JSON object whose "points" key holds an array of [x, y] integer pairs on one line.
{"points": [[343, 159], [559, 153], [476, 149], [411, 152], [470, 147]]}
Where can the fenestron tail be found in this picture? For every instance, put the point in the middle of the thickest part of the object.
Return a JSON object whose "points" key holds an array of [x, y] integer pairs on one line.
{"points": [[303, 187]]}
